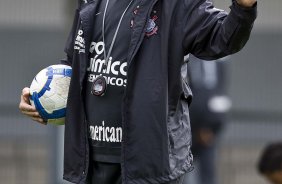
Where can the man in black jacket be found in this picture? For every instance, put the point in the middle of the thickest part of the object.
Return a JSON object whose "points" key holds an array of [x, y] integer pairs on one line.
{"points": [[128, 98]]}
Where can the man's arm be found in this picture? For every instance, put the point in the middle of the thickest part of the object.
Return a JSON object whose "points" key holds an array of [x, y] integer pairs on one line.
{"points": [[210, 33]]}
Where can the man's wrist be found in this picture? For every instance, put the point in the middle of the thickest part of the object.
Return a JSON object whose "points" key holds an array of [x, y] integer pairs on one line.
{"points": [[245, 15]]}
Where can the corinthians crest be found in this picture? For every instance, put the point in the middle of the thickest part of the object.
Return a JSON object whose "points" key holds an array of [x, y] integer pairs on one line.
{"points": [[152, 27]]}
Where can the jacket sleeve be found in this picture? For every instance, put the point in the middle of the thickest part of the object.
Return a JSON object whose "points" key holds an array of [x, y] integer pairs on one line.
{"points": [[210, 33], [69, 46]]}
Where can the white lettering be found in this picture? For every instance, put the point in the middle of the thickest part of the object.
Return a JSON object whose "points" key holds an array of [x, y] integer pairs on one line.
{"points": [[110, 80], [98, 65], [122, 68], [113, 67], [99, 48], [105, 134], [112, 138], [79, 43], [119, 82]]}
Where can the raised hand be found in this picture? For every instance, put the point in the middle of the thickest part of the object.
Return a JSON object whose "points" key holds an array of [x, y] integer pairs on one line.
{"points": [[246, 3]]}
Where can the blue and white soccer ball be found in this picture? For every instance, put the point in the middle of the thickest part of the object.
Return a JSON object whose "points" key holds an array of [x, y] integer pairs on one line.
{"points": [[49, 93]]}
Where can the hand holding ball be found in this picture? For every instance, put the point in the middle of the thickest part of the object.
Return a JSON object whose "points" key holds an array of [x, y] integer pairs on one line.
{"points": [[49, 93]]}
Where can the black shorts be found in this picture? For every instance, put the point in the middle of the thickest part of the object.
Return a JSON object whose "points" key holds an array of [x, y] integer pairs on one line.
{"points": [[110, 173]]}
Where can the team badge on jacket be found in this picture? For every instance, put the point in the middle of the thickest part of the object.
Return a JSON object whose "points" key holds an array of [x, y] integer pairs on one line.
{"points": [[152, 27]]}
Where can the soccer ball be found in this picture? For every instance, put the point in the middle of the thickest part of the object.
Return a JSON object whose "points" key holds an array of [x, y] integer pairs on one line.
{"points": [[49, 93]]}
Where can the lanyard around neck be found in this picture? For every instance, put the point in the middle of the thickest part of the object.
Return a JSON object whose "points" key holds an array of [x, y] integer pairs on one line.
{"points": [[107, 56]]}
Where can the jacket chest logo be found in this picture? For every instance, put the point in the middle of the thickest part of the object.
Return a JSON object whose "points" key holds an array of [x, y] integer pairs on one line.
{"points": [[152, 27]]}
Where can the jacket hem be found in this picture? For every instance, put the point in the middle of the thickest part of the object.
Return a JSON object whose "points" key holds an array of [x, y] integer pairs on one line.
{"points": [[163, 179], [73, 180]]}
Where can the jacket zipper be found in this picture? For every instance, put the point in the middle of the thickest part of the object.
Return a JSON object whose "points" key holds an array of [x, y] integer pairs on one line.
{"points": [[124, 101]]}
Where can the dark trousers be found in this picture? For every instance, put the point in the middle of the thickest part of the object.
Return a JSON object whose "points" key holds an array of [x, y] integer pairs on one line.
{"points": [[110, 173]]}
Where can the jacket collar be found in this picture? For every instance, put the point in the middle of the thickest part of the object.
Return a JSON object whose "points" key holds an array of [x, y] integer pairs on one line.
{"points": [[87, 15]]}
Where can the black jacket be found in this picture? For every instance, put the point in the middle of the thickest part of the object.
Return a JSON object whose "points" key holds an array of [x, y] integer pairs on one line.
{"points": [[156, 128]]}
